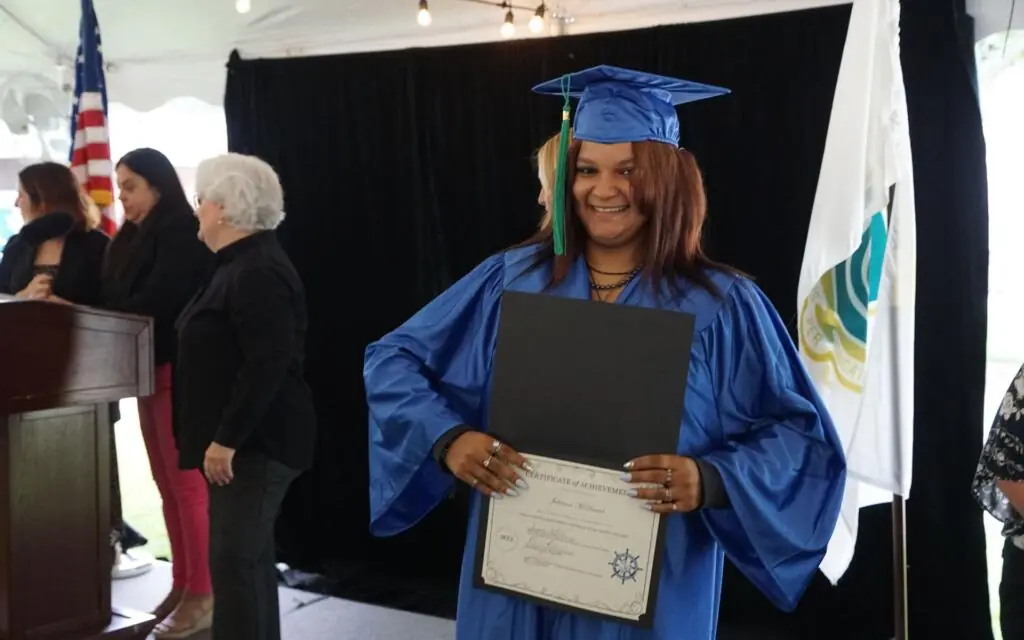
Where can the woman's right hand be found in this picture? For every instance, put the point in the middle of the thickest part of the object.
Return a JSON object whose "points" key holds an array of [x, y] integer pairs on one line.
{"points": [[486, 464], [38, 289]]}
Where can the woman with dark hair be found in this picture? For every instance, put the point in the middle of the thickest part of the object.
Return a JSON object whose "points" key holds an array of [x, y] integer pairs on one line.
{"points": [[58, 253], [758, 471], [154, 265]]}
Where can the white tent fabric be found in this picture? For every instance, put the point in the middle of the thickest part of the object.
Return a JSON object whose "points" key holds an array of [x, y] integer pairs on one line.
{"points": [[157, 51]]}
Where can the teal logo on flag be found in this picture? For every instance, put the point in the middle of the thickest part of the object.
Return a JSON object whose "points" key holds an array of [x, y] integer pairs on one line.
{"points": [[836, 316]]}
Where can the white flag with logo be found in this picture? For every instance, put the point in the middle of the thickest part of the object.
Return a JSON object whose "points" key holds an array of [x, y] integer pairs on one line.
{"points": [[857, 284]]}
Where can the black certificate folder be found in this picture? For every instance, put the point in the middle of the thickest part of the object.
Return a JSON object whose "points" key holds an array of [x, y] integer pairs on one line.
{"points": [[591, 383]]}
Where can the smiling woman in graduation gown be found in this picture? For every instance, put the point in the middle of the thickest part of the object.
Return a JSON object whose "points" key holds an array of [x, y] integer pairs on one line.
{"points": [[758, 472]]}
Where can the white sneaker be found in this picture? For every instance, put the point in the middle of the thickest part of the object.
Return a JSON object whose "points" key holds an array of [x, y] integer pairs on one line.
{"points": [[131, 563]]}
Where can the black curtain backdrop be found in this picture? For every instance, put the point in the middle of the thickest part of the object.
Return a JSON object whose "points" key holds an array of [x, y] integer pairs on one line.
{"points": [[402, 170]]}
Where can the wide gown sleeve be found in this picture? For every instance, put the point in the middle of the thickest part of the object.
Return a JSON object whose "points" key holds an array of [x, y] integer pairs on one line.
{"points": [[780, 458], [423, 379]]}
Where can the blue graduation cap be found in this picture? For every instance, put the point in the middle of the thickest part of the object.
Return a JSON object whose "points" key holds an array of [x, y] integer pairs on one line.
{"points": [[617, 105], [622, 105]]}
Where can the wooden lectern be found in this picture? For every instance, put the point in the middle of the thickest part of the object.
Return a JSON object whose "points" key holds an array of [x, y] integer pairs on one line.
{"points": [[60, 367]]}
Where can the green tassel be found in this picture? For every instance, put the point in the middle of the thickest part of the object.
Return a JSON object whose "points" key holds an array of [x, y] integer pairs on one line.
{"points": [[558, 201]]}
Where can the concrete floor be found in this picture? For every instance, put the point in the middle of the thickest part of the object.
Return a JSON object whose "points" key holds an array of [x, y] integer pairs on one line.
{"points": [[309, 616], [304, 616]]}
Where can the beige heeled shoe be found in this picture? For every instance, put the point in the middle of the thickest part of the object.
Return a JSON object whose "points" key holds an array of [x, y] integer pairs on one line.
{"points": [[191, 616]]}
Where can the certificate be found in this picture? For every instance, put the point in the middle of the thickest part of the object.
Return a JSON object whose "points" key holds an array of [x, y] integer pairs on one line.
{"points": [[595, 384], [573, 538]]}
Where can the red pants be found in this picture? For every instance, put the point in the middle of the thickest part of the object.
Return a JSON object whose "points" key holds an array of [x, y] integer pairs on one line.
{"points": [[184, 493]]}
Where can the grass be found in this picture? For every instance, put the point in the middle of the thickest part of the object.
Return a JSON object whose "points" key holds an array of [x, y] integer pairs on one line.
{"points": [[140, 500]]}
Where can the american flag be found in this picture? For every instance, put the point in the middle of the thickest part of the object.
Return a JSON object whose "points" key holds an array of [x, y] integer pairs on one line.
{"points": [[90, 153]]}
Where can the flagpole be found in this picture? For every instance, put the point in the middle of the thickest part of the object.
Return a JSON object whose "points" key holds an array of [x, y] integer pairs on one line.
{"points": [[901, 622], [899, 568]]}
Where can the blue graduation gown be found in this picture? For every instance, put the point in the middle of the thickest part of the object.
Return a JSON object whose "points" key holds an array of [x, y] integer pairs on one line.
{"points": [[750, 410]]}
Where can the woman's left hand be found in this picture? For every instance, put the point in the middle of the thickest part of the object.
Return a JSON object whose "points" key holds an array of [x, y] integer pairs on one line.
{"points": [[217, 465], [678, 477]]}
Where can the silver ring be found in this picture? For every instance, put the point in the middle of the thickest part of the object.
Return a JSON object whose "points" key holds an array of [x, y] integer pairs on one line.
{"points": [[495, 447], [675, 506], [487, 462], [668, 477], [668, 494], [472, 485]]}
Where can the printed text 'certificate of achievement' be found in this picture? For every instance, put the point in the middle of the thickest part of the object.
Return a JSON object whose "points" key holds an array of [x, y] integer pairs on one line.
{"points": [[573, 538]]}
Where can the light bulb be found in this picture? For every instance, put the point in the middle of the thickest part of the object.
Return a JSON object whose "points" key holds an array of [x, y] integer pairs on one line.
{"points": [[423, 17], [537, 21], [243, 6], [508, 29]]}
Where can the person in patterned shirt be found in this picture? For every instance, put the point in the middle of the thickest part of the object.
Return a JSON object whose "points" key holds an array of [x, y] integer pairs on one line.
{"points": [[999, 489]]}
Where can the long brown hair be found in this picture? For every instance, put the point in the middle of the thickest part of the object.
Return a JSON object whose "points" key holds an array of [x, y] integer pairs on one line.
{"points": [[160, 175], [53, 188], [668, 190], [547, 164]]}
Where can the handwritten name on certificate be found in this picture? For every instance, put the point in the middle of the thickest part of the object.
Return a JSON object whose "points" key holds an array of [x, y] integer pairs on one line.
{"points": [[575, 538]]}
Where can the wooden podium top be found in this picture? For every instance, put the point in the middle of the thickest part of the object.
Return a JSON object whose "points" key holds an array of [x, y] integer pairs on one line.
{"points": [[56, 355]]}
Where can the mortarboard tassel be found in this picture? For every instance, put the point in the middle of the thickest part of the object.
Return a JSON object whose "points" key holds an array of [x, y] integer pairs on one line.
{"points": [[558, 201]]}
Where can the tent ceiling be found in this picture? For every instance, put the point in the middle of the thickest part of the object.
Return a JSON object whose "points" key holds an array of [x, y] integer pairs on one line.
{"points": [[991, 16], [160, 50]]}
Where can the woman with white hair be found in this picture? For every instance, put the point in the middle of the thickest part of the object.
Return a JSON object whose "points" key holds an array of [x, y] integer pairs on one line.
{"points": [[245, 415]]}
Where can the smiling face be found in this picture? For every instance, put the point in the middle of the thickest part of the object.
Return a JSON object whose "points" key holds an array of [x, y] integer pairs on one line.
{"points": [[604, 194]]}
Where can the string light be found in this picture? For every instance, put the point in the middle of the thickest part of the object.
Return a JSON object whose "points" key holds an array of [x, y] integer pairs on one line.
{"points": [[423, 17], [243, 6], [537, 21], [508, 28]]}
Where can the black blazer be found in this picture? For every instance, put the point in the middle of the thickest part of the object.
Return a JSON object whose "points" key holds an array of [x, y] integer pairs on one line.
{"points": [[239, 378], [154, 269], [78, 276]]}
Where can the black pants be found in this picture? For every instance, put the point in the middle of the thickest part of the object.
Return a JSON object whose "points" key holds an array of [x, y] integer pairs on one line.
{"points": [[1011, 592], [242, 553]]}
